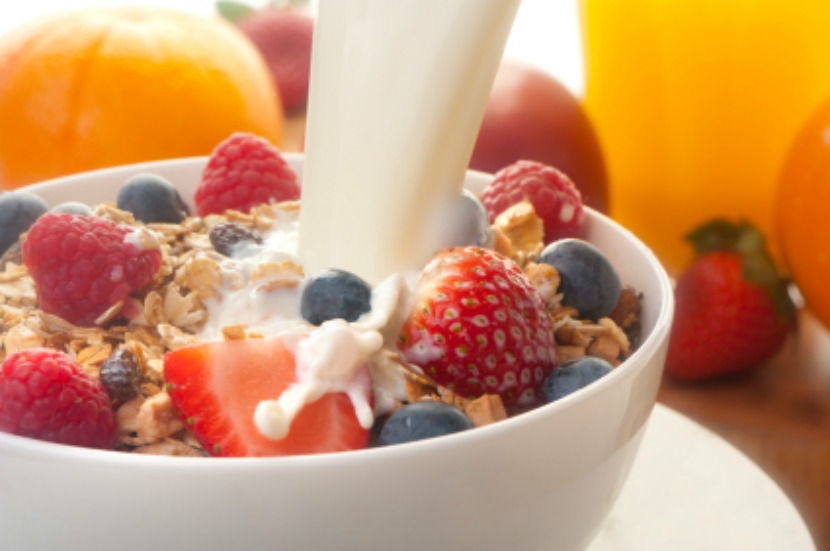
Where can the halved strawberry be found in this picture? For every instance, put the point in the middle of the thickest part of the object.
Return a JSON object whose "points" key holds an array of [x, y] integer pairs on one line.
{"points": [[217, 386]]}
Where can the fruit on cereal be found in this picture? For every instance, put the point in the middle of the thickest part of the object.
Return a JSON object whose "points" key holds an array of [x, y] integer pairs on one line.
{"points": [[227, 238], [589, 281], [472, 223], [45, 395], [109, 86], [554, 196], [151, 198], [335, 294], [243, 171], [422, 419], [530, 115], [479, 326], [18, 211], [121, 376], [284, 38], [83, 266], [217, 386], [574, 374], [732, 309]]}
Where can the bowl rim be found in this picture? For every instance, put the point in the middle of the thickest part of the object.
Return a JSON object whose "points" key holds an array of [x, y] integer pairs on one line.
{"points": [[648, 347]]}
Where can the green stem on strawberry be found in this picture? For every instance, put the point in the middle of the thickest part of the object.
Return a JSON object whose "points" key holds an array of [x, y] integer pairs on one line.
{"points": [[756, 263]]}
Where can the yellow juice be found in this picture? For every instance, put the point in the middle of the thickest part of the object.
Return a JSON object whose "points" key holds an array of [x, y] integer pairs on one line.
{"points": [[696, 103]]}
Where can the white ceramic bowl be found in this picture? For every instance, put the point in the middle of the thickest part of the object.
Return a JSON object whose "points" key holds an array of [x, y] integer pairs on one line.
{"points": [[541, 480]]}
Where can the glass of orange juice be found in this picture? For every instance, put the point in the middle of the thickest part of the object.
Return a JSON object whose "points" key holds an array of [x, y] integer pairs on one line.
{"points": [[696, 103]]}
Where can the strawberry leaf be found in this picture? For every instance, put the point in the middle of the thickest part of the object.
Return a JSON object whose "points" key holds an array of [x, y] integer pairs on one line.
{"points": [[758, 268], [716, 235], [756, 264], [233, 11]]}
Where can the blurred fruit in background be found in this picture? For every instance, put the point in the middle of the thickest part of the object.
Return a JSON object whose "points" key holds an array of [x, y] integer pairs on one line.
{"points": [[283, 35], [109, 86], [802, 212], [732, 309], [532, 116], [696, 103]]}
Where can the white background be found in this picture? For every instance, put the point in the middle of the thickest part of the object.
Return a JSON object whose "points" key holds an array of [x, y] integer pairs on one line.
{"points": [[545, 32]]}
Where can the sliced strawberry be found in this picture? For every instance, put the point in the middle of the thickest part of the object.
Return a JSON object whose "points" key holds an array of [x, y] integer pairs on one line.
{"points": [[217, 386]]}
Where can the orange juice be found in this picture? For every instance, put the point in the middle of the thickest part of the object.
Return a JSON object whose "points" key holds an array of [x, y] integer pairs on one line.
{"points": [[696, 103]]}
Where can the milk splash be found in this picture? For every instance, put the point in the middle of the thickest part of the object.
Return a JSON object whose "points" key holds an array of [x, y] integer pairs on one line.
{"points": [[397, 94]]}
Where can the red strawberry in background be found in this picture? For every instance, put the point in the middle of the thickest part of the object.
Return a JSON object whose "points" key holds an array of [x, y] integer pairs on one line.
{"points": [[479, 326], [217, 386], [284, 37], [732, 309]]}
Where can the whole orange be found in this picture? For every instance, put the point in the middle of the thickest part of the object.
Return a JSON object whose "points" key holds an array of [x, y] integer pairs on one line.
{"points": [[803, 212], [108, 86]]}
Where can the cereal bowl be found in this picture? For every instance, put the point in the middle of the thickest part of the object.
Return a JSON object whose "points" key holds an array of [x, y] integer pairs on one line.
{"points": [[543, 479]]}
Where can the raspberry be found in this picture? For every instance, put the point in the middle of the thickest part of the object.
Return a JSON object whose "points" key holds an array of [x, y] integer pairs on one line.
{"points": [[244, 171], [554, 196], [45, 395], [82, 266]]}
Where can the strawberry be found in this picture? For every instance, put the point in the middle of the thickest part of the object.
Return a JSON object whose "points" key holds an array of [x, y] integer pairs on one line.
{"points": [[732, 308], [479, 326], [217, 386]]}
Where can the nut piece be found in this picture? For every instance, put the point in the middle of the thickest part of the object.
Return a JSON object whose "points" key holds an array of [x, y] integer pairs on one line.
{"points": [[485, 409], [169, 446], [522, 226], [545, 279], [203, 275], [20, 337], [157, 418], [569, 352], [234, 333], [605, 347]]}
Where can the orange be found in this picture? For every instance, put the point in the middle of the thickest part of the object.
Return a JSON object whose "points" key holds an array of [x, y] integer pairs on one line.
{"points": [[803, 212], [109, 86]]}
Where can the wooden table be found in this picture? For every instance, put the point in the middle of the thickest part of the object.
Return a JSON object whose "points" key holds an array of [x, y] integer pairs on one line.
{"points": [[779, 416]]}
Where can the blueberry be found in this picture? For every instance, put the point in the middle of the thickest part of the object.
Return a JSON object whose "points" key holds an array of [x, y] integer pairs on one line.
{"points": [[472, 223], [72, 207], [226, 237], [572, 375], [589, 282], [420, 420], [151, 199], [18, 211], [334, 294]]}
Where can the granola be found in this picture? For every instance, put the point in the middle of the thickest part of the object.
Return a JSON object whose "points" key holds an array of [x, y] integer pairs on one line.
{"points": [[171, 312]]}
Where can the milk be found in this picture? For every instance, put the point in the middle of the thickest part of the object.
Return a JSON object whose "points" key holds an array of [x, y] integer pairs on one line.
{"points": [[398, 90], [397, 94]]}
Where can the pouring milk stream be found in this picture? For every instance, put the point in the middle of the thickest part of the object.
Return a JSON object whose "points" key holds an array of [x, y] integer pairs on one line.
{"points": [[397, 94]]}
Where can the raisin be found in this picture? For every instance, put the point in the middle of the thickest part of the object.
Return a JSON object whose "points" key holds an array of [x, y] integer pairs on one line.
{"points": [[121, 376], [225, 237]]}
